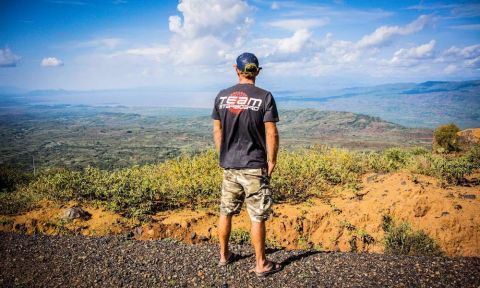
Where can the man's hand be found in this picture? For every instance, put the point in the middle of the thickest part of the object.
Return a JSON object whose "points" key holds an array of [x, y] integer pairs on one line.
{"points": [[271, 167], [272, 145]]}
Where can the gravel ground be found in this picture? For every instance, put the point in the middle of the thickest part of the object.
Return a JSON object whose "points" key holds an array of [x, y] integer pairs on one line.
{"points": [[78, 261]]}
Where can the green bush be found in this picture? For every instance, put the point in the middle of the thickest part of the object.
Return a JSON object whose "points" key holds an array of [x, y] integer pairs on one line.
{"points": [[391, 159], [304, 173], [240, 236], [400, 239], [445, 138], [11, 178]]}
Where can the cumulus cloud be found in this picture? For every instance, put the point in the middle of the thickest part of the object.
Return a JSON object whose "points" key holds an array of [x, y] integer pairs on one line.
{"points": [[7, 58], [297, 24], [468, 56], [384, 34], [295, 43], [410, 56], [51, 62], [208, 29]]}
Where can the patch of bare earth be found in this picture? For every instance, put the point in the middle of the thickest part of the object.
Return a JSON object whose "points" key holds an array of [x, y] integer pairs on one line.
{"points": [[340, 221]]}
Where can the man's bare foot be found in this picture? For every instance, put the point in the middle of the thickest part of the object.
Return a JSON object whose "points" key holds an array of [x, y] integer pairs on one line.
{"points": [[269, 267], [225, 260]]}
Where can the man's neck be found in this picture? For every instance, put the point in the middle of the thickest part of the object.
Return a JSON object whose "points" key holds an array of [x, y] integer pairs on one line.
{"points": [[246, 81]]}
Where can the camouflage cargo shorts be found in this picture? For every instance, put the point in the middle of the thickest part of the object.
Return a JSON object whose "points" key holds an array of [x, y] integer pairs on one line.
{"points": [[249, 185]]}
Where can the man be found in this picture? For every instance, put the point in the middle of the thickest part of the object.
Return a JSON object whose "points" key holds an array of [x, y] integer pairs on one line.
{"points": [[245, 133]]}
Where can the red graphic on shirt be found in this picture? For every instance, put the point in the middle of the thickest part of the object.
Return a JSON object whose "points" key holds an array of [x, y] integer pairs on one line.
{"points": [[239, 101]]}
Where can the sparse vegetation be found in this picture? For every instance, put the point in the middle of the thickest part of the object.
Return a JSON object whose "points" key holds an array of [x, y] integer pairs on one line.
{"points": [[401, 239], [195, 180], [445, 138], [240, 236]]}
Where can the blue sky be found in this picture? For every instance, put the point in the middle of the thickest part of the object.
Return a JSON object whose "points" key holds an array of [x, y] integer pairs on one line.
{"points": [[191, 45]]}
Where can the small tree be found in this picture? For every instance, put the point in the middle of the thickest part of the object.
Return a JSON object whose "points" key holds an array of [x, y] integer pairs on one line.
{"points": [[445, 138]]}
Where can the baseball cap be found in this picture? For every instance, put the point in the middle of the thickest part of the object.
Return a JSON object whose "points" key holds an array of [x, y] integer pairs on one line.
{"points": [[248, 62]]}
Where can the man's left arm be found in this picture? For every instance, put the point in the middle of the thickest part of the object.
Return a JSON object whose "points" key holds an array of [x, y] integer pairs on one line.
{"points": [[217, 134]]}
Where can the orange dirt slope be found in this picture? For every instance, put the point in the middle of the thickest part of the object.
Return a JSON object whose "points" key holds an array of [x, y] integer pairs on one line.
{"points": [[340, 221]]}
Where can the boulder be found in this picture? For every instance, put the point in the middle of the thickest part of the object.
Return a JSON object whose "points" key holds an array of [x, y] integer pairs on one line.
{"points": [[469, 136], [72, 213]]}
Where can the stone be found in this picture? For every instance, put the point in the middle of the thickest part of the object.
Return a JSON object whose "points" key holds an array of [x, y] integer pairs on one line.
{"points": [[203, 238], [457, 206], [75, 213], [137, 231], [468, 196], [193, 235]]}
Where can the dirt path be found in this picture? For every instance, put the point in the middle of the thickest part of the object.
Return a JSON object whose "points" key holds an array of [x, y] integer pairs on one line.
{"points": [[78, 261]]}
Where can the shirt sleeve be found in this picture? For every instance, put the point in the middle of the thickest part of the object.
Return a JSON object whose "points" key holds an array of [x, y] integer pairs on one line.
{"points": [[271, 113], [215, 113]]}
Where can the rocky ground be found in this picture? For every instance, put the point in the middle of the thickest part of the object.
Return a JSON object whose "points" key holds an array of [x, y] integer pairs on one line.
{"points": [[112, 261]]}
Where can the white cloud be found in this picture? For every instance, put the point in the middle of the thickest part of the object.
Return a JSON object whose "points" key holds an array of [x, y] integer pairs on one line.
{"points": [[106, 43], [7, 58], [158, 52], [450, 69], [297, 24], [410, 56], [295, 43], [51, 62], [468, 52], [207, 29], [384, 34], [474, 27], [466, 57], [275, 6]]}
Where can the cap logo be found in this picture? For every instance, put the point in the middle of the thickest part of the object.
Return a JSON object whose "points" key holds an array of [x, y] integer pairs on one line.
{"points": [[250, 67]]}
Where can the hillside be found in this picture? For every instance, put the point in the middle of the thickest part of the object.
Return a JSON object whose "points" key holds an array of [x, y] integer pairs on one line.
{"points": [[115, 137]]}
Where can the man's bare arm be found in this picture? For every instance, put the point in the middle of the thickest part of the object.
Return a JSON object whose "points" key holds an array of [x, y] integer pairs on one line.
{"points": [[217, 133], [272, 145]]}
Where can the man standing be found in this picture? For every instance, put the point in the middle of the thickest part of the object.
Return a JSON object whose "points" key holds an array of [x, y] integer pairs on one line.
{"points": [[245, 133]]}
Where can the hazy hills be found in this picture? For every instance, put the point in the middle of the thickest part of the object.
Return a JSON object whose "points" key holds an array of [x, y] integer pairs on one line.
{"points": [[427, 104]]}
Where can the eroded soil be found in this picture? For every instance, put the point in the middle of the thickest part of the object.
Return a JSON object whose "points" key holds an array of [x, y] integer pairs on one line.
{"points": [[339, 221]]}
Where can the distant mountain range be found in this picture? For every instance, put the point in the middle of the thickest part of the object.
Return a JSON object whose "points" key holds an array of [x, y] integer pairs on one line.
{"points": [[426, 104]]}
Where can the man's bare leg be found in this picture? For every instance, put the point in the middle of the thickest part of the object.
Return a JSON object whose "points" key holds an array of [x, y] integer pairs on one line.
{"points": [[224, 228], [258, 241]]}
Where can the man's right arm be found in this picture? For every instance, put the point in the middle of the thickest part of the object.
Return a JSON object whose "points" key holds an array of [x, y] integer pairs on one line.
{"points": [[217, 134]]}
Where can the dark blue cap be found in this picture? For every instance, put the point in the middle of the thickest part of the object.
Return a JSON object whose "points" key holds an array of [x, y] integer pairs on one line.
{"points": [[247, 62]]}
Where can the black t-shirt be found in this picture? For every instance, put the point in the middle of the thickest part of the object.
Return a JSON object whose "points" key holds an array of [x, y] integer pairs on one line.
{"points": [[242, 110]]}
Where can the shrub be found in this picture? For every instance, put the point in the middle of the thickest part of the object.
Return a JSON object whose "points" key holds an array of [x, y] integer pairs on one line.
{"points": [[304, 173], [400, 239], [445, 138], [240, 236], [11, 178], [473, 156], [452, 171]]}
